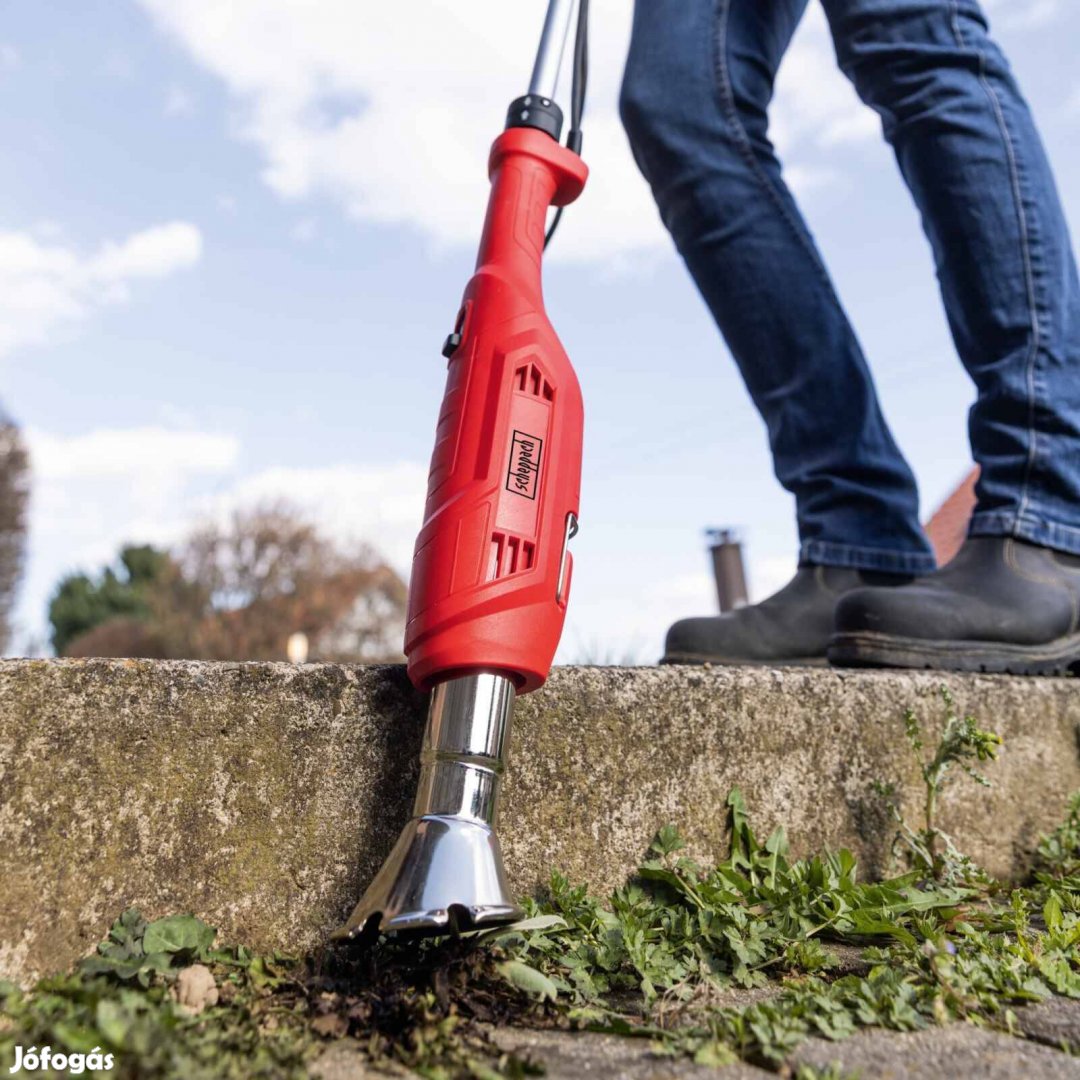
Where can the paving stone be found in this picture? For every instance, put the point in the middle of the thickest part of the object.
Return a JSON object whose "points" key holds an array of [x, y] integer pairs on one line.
{"points": [[587, 1056], [344, 1060], [565, 1056], [1055, 1022], [957, 1052]]}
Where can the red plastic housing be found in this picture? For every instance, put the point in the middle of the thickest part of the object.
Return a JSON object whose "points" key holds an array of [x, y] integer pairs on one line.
{"points": [[486, 593]]}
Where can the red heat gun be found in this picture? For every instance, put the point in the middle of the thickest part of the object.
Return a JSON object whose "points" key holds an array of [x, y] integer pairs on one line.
{"points": [[491, 572]]}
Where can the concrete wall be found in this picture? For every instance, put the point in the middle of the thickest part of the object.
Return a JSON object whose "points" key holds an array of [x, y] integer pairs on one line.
{"points": [[263, 797]]}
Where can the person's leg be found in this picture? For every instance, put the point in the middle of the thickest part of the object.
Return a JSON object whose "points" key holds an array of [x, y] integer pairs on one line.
{"points": [[698, 82], [969, 150]]}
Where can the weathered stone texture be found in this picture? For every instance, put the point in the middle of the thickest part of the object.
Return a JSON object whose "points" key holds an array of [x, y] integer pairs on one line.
{"points": [[264, 796], [1055, 1022], [957, 1052]]}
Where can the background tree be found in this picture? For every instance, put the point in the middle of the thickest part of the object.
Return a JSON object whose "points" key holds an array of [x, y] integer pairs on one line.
{"points": [[81, 603], [14, 501], [238, 591]]}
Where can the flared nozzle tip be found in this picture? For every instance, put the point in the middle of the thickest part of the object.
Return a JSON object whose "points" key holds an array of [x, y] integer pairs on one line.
{"points": [[443, 876], [455, 919]]}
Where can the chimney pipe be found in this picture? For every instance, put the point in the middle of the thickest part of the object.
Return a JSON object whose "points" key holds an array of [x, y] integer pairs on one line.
{"points": [[727, 559]]}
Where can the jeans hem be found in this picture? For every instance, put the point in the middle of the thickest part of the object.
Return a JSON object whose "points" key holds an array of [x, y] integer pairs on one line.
{"points": [[1049, 534], [825, 553]]}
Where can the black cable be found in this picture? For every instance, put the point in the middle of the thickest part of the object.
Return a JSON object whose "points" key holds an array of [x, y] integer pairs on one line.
{"points": [[577, 97], [553, 226]]}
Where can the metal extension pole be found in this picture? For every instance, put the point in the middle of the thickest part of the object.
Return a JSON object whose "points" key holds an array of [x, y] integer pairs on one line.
{"points": [[549, 56]]}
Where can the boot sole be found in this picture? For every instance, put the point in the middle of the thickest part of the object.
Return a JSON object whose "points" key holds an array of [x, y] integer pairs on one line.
{"points": [[869, 649], [725, 661]]}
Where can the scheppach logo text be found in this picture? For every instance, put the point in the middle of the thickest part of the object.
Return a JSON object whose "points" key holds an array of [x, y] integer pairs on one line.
{"points": [[523, 476]]}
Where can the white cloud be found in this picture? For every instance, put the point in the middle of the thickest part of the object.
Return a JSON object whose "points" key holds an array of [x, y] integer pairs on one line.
{"points": [[46, 285], [816, 107], [389, 109], [380, 504], [152, 253], [96, 491], [149, 452], [803, 179]]}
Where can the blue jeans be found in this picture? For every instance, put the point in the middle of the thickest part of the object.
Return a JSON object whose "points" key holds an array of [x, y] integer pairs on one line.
{"points": [[695, 100]]}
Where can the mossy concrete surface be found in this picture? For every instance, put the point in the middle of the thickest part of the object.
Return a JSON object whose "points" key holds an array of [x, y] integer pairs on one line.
{"points": [[263, 797]]}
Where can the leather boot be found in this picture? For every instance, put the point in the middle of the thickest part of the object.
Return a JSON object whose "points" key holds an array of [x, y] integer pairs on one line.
{"points": [[790, 627], [1002, 605]]}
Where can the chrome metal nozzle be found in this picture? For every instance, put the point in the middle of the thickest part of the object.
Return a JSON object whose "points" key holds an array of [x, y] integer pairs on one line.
{"points": [[446, 869]]}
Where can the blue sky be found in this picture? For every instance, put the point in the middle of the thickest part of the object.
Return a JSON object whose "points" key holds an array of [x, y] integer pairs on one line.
{"points": [[233, 236]]}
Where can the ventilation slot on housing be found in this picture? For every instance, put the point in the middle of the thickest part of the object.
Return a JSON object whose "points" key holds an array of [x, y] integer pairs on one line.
{"points": [[529, 380], [509, 555]]}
